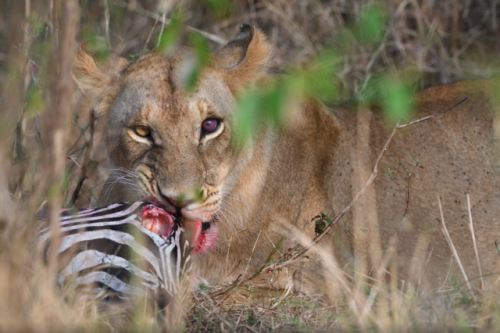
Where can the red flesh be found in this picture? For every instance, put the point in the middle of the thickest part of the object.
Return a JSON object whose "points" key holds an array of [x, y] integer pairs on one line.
{"points": [[160, 222], [157, 220]]}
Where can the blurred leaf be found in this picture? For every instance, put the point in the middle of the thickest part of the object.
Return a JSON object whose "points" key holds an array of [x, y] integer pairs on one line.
{"points": [[390, 173], [170, 35], [273, 101], [197, 193], [395, 93], [99, 47], [370, 28], [397, 101], [93, 164], [137, 55], [34, 100], [245, 116], [221, 9], [321, 74], [194, 63]]}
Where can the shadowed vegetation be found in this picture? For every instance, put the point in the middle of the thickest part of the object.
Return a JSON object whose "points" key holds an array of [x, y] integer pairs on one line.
{"points": [[52, 156]]}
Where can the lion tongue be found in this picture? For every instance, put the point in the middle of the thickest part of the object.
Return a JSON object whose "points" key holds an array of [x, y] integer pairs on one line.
{"points": [[193, 230], [157, 220]]}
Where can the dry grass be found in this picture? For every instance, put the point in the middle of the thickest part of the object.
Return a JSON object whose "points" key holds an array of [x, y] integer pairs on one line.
{"points": [[425, 43]]}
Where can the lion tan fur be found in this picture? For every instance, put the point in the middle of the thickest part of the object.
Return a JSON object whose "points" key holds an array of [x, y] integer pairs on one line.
{"points": [[272, 187]]}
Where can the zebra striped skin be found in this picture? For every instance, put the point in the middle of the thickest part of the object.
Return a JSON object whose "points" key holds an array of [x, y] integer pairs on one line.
{"points": [[102, 250]]}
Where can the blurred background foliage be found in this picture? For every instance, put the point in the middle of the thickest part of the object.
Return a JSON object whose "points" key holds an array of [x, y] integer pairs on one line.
{"points": [[335, 50]]}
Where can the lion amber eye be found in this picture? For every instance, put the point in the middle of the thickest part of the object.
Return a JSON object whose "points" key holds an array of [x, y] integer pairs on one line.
{"points": [[142, 131], [210, 125]]}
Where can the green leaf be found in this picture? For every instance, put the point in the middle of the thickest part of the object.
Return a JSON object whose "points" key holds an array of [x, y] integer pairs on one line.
{"points": [[251, 319], [390, 173]]}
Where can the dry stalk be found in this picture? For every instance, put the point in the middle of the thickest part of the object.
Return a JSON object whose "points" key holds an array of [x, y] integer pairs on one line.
{"points": [[214, 309], [471, 227], [106, 21], [251, 254], [285, 259], [61, 92], [452, 247]]}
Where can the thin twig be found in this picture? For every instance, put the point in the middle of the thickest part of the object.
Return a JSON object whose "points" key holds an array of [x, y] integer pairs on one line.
{"points": [[151, 34], [74, 161], [212, 37], [238, 321], [162, 29], [83, 173], [434, 115], [452, 247], [409, 176], [471, 227], [78, 137], [77, 150]]}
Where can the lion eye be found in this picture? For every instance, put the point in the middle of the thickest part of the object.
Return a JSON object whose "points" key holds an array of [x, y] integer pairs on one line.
{"points": [[142, 131], [210, 125]]}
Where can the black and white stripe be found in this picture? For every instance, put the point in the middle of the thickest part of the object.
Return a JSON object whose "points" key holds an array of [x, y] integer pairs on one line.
{"points": [[102, 250]]}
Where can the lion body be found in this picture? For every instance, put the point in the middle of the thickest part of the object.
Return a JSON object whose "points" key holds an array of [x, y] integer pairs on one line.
{"points": [[272, 188], [320, 165]]}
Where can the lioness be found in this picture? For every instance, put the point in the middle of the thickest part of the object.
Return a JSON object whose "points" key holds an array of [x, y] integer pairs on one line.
{"points": [[169, 143]]}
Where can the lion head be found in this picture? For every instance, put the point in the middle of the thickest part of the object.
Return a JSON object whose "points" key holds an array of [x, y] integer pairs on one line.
{"points": [[169, 146]]}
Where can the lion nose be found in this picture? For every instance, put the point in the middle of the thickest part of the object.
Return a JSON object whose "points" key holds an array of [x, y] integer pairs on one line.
{"points": [[177, 202]]}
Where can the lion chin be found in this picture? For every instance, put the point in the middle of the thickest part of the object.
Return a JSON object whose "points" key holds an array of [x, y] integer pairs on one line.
{"points": [[179, 147]]}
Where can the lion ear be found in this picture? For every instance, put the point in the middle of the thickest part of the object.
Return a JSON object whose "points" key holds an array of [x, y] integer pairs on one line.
{"points": [[245, 59], [96, 83]]}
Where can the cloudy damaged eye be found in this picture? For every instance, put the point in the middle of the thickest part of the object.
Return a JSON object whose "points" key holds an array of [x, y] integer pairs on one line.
{"points": [[210, 125], [142, 131]]}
